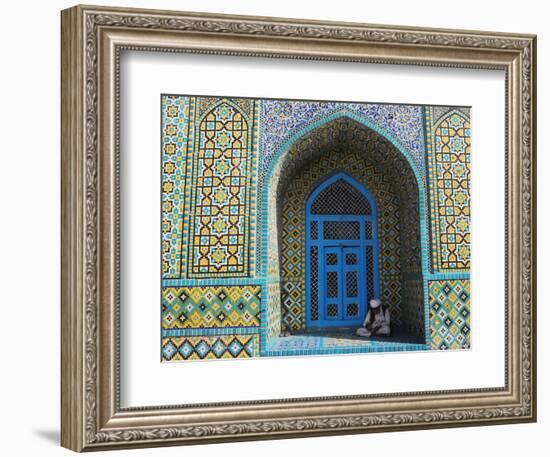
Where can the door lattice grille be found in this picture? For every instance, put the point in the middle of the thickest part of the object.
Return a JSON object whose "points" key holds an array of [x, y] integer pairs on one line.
{"points": [[332, 259], [352, 309], [340, 198], [314, 283], [351, 284], [314, 230], [351, 259], [341, 230], [332, 310], [370, 274], [332, 284], [368, 230]]}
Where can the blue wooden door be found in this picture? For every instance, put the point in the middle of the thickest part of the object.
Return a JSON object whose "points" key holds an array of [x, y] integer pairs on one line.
{"points": [[342, 254], [343, 302]]}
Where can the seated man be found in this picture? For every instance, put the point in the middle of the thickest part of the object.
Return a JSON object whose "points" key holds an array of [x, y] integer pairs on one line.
{"points": [[377, 321]]}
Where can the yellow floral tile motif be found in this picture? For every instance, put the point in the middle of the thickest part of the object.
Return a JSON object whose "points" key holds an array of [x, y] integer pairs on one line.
{"points": [[209, 347], [450, 313], [449, 177], [211, 307], [222, 193]]}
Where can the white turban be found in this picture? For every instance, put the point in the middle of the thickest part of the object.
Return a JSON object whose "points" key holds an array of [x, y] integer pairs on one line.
{"points": [[375, 302]]}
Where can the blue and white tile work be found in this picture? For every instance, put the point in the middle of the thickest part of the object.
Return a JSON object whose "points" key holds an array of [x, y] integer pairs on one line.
{"points": [[236, 174], [284, 119]]}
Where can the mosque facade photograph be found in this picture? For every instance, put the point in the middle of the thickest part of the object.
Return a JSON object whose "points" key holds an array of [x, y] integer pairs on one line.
{"points": [[301, 228]]}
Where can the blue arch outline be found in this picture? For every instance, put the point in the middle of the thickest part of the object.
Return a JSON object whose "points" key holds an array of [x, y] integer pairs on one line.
{"points": [[372, 218], [282, 153]]}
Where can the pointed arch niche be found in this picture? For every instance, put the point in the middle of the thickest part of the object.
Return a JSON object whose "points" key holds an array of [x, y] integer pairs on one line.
{"points": [[345, 147]]}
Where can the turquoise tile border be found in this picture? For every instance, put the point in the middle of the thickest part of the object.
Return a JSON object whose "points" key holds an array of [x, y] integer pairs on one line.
{"points": [[210, 282], [178, 114], [209, 331], [319, 345]]}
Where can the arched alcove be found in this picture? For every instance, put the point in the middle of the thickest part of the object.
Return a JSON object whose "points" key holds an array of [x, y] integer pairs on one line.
{"points": [[344, 145]]}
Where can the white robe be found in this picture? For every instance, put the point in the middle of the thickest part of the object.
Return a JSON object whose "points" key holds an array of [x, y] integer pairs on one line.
{"points": [[377, 322]]}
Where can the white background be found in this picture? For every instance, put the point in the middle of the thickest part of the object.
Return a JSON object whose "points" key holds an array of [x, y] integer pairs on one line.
{"points": [[29, 246], [144, 76]]}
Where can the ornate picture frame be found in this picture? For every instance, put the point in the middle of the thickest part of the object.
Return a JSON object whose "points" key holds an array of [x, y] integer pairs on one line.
{"points": [[93, 39]]}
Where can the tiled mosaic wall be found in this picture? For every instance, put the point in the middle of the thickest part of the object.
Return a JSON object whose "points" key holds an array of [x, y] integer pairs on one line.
{"points": [[448, 142], [211, 321], [222, 193], [209, 161], [211, 307], [349, 146], [209, 347], [448, 160], [411, 260], [177, 134], [450, 313], [235, 176]]}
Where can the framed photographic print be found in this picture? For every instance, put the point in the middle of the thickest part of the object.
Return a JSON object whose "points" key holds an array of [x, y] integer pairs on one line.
{"points": [[281, 228]]}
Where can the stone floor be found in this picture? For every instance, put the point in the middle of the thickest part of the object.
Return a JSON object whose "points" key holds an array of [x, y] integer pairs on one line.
{"points": [[339, 340]]}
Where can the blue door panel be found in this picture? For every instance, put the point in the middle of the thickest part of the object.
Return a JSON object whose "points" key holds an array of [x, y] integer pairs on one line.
{"points": [[354, 290]]}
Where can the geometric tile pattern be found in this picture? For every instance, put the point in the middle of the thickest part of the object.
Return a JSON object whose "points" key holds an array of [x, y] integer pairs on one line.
{"points": [[205, 104], [293, 255], [222, 189], [413, 301], [450, 313], [412, 308], [217, 154], [209, 161], [176, 113], [209, 347], [273, 317], [211, 307], [403, 123], [449, 177]]}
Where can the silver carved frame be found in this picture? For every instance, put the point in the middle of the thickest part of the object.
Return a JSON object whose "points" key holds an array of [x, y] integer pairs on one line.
{"points": [[92, 40]]}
